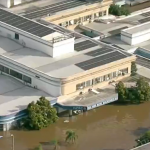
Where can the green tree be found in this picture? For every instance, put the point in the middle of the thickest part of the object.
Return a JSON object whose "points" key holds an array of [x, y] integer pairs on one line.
{"points": [[71, 136], [118, 11], [133, 69], [39, 147], [40, 114], [122, 91], [143, 90], [56, 145], [145, 138]]}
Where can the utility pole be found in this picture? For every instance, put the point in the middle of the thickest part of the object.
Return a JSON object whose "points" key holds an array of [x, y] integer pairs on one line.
{"points": [[13, 142]]}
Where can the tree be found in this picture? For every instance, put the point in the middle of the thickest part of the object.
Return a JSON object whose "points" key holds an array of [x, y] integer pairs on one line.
{"points": [[122, 91], [39, 147], [40, 114], [118, 11], [133, 69], [71, 136], [143, 89], [55, 143], [145, 138]]}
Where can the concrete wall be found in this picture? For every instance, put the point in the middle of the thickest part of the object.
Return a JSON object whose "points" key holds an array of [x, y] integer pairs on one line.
{"points": [[134, 39], [63, 47], [11, 3], [126, 39], [44, 83], [5, 3], [34, 42], [26, 39], [79, 12], [69, 85], [140, 38]]}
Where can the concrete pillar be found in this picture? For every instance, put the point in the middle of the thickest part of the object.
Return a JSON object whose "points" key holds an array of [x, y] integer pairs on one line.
{"points": [[70, 113], [4, 127]]}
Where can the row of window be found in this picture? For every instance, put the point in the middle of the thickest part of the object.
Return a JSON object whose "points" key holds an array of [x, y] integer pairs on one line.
{"points": [[15, 74], [101, 79], [82, 19]]}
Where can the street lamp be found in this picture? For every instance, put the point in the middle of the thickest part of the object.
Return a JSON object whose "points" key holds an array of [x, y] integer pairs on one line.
{"points": [[13, 142]]}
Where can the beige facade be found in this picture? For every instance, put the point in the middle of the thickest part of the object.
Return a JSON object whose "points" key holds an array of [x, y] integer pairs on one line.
{"points": [[111, 72], [80, 15]]}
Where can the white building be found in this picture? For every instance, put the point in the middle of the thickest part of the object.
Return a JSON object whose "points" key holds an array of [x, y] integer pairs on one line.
{"points": [[52, 62], [136, 34], [11, 3]]}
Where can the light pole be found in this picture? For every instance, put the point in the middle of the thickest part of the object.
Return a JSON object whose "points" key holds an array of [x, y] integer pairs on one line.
{"points": [[13, 142]]}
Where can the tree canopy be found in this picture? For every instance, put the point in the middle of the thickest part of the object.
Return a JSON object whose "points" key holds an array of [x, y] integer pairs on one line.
{"points": [[40, 114], [118, 11], [133, 69], [122, 91], [143, 89], [145, 138], [71, 136], [137, 94]]}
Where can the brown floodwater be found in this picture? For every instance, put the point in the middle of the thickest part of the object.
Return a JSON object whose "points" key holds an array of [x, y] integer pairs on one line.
{"points": [[138, 7], [107, 127]]}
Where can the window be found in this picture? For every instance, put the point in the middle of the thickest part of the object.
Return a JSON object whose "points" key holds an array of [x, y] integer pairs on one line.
{"points": [[80, 86], [1, 68], [104, 13], [26, 79], [16, 36], [97, 80], [100, 14], [6, 70], [88, 83], [16, 74]]}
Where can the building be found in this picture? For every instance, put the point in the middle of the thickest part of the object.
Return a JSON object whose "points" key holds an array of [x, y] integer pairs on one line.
{"points": [[11, 3], [136, 34], [71, 13], [53, 62]]}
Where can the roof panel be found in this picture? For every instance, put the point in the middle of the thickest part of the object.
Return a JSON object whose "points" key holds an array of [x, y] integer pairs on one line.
{"points": [[101, 60], [23, 23], [51, 9], [100, 51], [84, 45]]}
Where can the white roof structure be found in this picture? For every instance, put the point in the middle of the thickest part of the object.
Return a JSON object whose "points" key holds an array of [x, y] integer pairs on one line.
{"points": [[15, 96]]}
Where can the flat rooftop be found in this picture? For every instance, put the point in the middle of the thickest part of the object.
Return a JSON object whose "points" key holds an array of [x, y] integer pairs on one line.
{"points": [[91, 98], [88, 54], [138, 28], [116, 41], [15, 96], [116, 27], [55, 8], [32, 28]]}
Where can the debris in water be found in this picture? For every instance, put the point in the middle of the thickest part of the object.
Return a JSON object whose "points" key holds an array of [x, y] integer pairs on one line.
{"points": [[66, 121]]}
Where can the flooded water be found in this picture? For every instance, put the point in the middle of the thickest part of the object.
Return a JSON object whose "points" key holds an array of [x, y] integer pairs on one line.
{"points": [[107, 127], [138, 7]]}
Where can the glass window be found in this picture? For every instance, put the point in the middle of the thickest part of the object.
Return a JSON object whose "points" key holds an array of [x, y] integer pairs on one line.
{"points": [[1, 68], [6, 70], [26, 79], [97, 80], [100, 14], [16, 74], [88, 83], [16, 36], [104, 13], [114, 74], [80, 86]]}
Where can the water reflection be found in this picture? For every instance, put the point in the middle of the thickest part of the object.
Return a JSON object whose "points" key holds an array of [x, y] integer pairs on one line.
{"points": [[108, 127]]}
